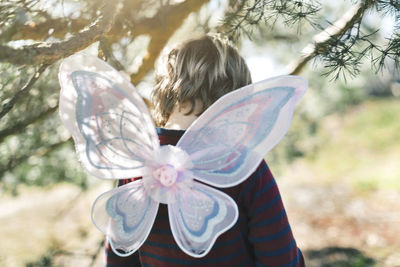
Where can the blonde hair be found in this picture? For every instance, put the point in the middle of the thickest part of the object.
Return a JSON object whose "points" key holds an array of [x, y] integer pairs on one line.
{"points": [[204, 69]]}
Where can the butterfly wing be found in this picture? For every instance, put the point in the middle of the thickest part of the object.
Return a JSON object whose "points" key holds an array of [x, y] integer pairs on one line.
{"points": [[110, 123], [125, 215], [199, 216], [228, 141]]}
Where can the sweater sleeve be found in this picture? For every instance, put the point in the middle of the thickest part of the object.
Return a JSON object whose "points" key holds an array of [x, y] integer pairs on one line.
{"points": [[270, 235]]}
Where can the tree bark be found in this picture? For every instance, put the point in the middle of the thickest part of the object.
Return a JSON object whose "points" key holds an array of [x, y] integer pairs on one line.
{"points": [[40, 31], [48, 53], [161, 28]]}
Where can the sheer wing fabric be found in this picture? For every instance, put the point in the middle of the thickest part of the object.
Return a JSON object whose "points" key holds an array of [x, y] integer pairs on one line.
{"points": [[199, 216], [110, 124], [115, 138], [125, 215], [228, 141]]}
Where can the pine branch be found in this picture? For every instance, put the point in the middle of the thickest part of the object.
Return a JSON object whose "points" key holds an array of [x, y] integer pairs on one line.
{"points": [[20, 126], [10, 104], [254, 13], [173, 16], [59, 27], [21, 27], [234, 9], [40, 31], [321, 40], [48, 53]]}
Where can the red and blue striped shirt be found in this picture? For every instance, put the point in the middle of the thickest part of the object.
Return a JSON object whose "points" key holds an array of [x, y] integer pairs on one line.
{"points": [[261, 237]]}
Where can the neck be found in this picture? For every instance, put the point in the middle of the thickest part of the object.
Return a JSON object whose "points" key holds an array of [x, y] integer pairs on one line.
{"points": [[178, 120]]}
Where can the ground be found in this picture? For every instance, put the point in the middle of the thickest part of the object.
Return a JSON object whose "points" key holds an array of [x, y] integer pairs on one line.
{"points": [[343, 202]]}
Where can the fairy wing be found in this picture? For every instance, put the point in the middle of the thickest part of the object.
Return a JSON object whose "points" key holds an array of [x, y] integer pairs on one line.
{"points": [[125, 215], [199, 216], [228, 141], [111, 126]]}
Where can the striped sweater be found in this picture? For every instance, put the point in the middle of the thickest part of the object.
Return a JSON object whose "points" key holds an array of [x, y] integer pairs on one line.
{"points": [[261, 236]]}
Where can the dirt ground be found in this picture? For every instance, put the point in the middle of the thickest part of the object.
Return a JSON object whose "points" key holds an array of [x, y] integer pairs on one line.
{"points": [[333, 225], [336, 226], [49, 227]]}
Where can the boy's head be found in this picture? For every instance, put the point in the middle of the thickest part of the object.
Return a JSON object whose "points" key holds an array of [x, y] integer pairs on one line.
{"points": [[200, 70]]}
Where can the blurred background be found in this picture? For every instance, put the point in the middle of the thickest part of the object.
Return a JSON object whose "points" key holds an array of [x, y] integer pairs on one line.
{"points": [[337, 168]]}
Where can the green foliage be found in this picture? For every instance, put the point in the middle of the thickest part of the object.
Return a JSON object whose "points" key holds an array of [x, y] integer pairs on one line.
{"points": [[338, 257], [45, 261], [340, 46], [361, 147], [58, 166], [322, 98], [325, 98], [377, 126], [258, 13], [36, 150]]}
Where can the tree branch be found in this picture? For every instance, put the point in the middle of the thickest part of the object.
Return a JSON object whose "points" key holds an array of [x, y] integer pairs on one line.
{"points": [[347, 21], [10, 104], [19, 126], [43, 151], [61, 26], [105, 53], [40, 31], [171, 18], [48, 53], [234, 9]]}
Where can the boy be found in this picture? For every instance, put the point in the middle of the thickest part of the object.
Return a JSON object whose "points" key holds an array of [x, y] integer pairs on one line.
{"points": [[200, 71]]}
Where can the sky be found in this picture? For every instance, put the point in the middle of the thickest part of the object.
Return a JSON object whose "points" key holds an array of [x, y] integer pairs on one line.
{"points": [[262, 63], [266, 65]]}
